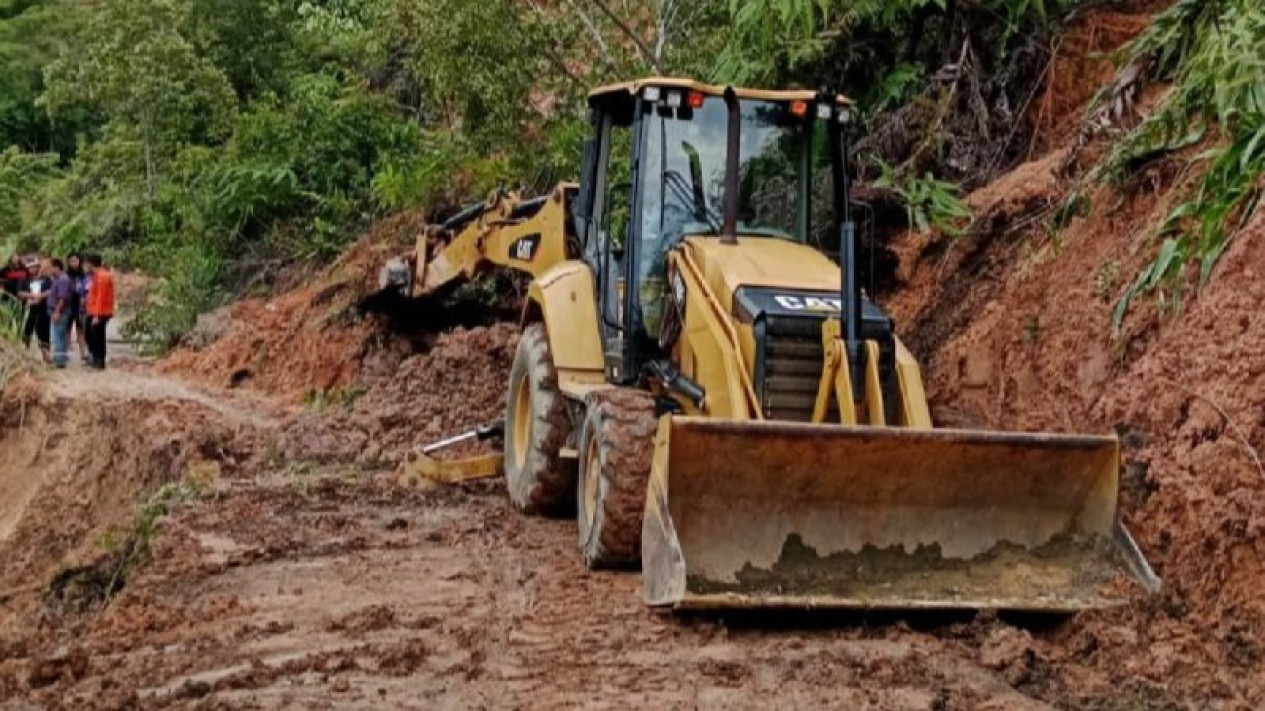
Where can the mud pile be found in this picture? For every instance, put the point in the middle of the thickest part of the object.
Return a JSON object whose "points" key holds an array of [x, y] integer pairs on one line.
{"points": [[312, 339], [455, 386], [458, 385], [1014, 327]]}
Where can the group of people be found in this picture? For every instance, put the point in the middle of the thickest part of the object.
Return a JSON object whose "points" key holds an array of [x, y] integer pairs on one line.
{"points": [[63, 300]]}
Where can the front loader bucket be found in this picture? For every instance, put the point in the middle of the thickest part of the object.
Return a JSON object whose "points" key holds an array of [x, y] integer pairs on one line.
{"points": [[774, 514]]}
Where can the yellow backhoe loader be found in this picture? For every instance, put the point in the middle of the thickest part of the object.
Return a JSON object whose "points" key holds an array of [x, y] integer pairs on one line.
{"points": [[701, 379]]}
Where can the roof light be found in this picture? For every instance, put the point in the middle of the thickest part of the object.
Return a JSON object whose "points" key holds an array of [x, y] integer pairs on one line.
{"points": [[799, 108], [674, 99], [696, 99], [845, 115], [823, 111], [650, 93]]}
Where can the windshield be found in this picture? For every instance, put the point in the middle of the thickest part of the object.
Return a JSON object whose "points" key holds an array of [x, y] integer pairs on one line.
{"points": [[684, 174]]}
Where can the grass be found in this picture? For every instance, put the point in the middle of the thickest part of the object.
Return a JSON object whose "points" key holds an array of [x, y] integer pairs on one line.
{"points": [[1211, 54], [340, 398], [15, 359], [91, 587]]}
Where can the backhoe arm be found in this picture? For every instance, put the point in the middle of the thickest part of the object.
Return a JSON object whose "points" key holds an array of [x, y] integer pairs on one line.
{"points": [[529, 236]]}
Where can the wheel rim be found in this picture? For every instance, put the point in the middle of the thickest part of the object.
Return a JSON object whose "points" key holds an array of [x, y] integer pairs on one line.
{"points": [[592, 473], [522, 421]]}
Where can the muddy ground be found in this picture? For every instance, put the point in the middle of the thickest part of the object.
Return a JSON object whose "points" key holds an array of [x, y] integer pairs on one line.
{"points": [[278, 583]]}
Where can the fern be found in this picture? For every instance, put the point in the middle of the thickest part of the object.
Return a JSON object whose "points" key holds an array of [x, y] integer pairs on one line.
{"points": [[1211, 52], [931, 204]]}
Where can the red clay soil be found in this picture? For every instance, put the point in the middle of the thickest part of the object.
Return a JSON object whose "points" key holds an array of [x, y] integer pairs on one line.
{"points": [[458, 384], [309, 340], [1080, 64], [1014, 328]]}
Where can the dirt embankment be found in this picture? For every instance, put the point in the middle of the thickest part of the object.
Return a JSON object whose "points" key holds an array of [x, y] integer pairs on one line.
{"points": [[1014, 327], [80, 448], [314, 338]]}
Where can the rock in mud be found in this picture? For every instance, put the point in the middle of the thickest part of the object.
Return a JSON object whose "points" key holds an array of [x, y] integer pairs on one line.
{"points": [[1005, 647], [66, 664]]}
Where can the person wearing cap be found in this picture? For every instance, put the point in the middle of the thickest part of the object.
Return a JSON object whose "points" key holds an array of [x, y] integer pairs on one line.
{"points": [[35, 292]]}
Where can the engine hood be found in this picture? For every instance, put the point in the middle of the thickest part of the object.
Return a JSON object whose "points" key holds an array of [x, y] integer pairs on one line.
{"points": [[775, 277], [763, 262], [752, 302]]}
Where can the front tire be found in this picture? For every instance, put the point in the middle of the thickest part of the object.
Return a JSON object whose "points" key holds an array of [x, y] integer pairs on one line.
{"points": [[616, 449], [537, 425]]}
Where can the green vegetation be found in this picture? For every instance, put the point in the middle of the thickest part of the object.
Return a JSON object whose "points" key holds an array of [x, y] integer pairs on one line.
{"points": [[332, 398], [12, 320], [1212, 53], [87, 588], [131, 547], [875, 44], [208, 141], [929, 203]]}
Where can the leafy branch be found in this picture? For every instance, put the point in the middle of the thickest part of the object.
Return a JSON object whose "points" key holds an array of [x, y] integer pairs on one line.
{"points": [[1211, 52]]}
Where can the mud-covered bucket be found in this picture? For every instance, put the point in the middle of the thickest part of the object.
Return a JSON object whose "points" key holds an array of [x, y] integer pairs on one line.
{"points": [[770, 514]]}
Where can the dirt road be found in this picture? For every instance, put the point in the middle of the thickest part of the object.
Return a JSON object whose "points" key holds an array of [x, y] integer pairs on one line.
{"points": [[311, 587]]}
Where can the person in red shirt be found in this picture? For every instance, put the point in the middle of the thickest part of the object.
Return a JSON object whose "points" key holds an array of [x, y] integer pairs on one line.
{"points": [[100, 308], [15, 275]]}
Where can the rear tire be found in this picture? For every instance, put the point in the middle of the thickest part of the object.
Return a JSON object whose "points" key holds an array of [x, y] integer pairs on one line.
{"points": [[616, 449], [537, 426]]}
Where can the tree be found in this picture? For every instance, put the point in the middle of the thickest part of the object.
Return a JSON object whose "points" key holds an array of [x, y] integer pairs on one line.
{"points": [[139, 69], [251, 41], [33, 33], [20, 174]]}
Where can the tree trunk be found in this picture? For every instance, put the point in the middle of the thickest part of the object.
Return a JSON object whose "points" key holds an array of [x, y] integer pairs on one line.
{"points": [[150, 172]]}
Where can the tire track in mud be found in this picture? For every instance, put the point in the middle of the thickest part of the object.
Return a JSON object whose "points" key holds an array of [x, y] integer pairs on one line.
{"points": [[352, 593], [288, 584]]}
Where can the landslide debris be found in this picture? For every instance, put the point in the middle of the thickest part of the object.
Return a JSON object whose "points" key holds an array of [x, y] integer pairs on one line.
{"points": [[455, 386], [1013, 325], [310, 339]]}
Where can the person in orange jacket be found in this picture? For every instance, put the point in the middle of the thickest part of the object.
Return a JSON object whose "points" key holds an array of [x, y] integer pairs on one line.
{"points": [[100, 308]]}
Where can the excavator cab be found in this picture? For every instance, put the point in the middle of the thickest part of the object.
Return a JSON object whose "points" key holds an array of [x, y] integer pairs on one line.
{"points": [[655, 171]]}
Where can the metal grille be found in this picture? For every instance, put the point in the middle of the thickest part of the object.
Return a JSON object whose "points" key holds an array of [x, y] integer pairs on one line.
{"points": [[789, 362]]}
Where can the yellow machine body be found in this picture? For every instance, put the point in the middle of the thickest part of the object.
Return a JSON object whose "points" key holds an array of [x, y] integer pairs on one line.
{"points": [[857, 511], [782, 489]]}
